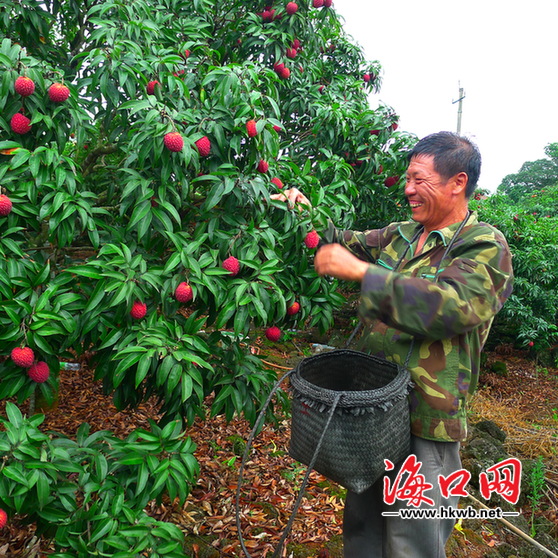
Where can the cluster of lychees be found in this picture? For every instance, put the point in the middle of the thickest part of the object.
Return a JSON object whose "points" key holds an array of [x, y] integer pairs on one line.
{"points": [[322, 3], [269, 14], [273, 333], [183, 292], [263, 166], [174, 141], [281, 70], [25, 86], [25, 357], [311, 240]]}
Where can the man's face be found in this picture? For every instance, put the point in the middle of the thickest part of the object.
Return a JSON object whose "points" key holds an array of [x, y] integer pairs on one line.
{"points": [[431, 198]]}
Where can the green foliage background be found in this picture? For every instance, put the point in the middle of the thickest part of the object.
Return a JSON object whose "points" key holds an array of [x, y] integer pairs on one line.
{"points": [[525, 209]]}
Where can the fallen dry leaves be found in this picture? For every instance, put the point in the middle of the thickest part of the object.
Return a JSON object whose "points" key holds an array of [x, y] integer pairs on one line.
{"points": [[271, 477]]}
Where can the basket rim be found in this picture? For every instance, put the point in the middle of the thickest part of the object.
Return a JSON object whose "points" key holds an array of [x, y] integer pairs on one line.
{"points": [[396, 388]]}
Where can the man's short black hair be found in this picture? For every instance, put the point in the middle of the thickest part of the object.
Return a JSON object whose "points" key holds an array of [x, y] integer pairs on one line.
{"points": [[452, 154]]}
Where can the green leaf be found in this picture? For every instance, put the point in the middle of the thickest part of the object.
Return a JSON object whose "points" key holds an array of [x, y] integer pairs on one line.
{"points": [[142, 370], [186, 387], [43, 490], [124, 365], [131, 459], [12, 472], [143, 476], [225, 315], [14, 414], [103, 527]]}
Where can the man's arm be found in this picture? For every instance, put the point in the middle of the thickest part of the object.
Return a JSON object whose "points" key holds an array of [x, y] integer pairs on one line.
{"points": [[470, 290]]}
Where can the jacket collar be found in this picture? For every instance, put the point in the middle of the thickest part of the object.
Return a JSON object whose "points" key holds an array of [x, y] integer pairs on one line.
{"points": [[408, 229]]}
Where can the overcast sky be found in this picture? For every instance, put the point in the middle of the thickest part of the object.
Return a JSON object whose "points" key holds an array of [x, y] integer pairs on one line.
{"points": [[502, 53]]}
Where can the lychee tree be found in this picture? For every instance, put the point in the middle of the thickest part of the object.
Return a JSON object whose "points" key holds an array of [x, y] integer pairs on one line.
{"points": [[154, 134], [138, 153]]}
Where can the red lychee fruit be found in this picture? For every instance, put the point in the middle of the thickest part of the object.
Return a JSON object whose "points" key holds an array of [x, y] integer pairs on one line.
{"points": [[151, 87], [187, 53], [5, 205], [328, 3], [58, 92], [39, 372], [20, 124], [284, 73], [297, 44], [375, 132], [317, 3], [232, 264], [24, 86], [312, 239], [294, 308], [273, 333], [173, 141], [23, 356], [321, 88], [268, 15], [391, 181], [291, 8], [291, 53], [394, 126], [204, 146], [366, 77], [263, 166], [183, 293], [277, 182], [251, 128], [139, 310], [277, 128], [3, 518], [281, 70]]}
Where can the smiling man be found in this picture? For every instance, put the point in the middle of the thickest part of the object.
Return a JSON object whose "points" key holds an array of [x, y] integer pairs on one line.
{"points": [[430, 289]]}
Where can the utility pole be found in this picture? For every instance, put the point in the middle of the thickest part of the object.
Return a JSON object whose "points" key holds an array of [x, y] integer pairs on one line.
{"points": [[459, 108]]}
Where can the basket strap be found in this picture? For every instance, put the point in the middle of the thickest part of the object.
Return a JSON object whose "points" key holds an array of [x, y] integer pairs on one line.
{"points": [[306, 478], [246, 454]]}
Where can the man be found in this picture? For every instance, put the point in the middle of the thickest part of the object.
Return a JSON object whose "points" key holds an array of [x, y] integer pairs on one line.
{"points": [[430, 289]]}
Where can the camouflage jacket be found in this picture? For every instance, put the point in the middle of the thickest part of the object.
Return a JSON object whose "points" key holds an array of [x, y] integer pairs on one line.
{"points": [[446, 306]]}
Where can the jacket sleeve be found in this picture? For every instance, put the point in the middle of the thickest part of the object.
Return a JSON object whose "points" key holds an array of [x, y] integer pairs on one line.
{"points": [[469, 291], [365, 245]]}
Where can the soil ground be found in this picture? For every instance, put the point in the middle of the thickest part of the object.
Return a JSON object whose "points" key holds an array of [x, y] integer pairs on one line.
{"points": [[523, 402]]}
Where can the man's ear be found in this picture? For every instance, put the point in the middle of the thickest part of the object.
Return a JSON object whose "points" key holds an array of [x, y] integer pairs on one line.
{"points": [[460, 181]]}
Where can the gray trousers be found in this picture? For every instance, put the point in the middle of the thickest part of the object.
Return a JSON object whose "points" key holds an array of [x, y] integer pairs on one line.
{"points": [[368, 534]]}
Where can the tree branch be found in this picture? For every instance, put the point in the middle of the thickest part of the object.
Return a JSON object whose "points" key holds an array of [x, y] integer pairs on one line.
{"points": [[90, 160]]}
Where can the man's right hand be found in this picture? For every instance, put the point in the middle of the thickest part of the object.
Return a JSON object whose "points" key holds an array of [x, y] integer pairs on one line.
{"points": [[292, 196]]}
